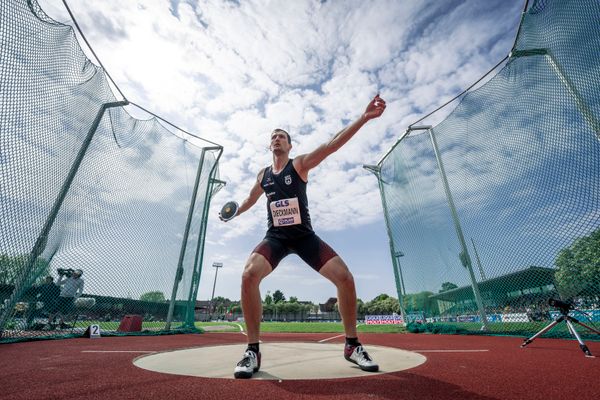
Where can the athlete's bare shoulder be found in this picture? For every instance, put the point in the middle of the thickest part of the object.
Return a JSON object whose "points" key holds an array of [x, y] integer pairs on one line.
{"points": [[260, 175], [297, 164]]}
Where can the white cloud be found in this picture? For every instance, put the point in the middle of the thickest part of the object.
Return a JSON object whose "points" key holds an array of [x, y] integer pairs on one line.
{"points": [[231, 73]]}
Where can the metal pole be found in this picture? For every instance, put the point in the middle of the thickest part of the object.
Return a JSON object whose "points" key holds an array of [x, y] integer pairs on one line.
{"points": [[269, 294], [198, 259], [216, 265], [42, 240], [481, 272], [464, 255], [587, 113], [584, 109], [179, 271], [398, 255], [402, 310], [376, 170]]}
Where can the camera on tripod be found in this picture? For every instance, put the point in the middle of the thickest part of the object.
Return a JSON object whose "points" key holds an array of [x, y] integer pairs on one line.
{"points": [[562, 305], [68, 272], [564, 308]]}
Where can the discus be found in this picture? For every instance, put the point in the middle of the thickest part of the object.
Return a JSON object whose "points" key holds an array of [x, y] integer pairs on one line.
{"points": [[229, 210]]}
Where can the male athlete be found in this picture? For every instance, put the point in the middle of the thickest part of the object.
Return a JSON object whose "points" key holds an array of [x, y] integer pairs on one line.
{"points": [[290, 231]]}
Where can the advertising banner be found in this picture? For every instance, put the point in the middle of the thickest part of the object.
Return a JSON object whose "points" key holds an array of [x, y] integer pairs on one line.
{"points": [[383, 319]]}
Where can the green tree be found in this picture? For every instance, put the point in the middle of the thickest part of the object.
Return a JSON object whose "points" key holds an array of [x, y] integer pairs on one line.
{"points": [[11, 266], [221, 299], [382, 304], [289, 307], [360, 307], [308, 308], [268, 299], [390, 305], [269, 308], [381, 297], [278, 296], [293, 299], [447, 286], [421, 302], [278, 309], [578, 267], [155, 297]]}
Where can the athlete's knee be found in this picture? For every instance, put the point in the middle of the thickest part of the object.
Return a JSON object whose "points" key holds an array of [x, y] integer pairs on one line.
{"points": [[250, 277], [347, 279], [343, 279], [254, 271]]}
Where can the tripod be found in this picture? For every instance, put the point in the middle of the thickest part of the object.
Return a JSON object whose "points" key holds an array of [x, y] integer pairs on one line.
{"points": [[569, 321]]}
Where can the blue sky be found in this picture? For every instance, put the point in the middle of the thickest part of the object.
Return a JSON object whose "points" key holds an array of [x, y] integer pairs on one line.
{"points": [[231, 72]]}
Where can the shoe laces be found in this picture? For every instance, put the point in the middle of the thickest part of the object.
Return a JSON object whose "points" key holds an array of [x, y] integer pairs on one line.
{"points": [[363, 353], [247, 360]]}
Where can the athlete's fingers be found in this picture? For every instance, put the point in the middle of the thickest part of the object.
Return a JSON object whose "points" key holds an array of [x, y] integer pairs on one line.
{"points": [[378, 101], [229, 211]]}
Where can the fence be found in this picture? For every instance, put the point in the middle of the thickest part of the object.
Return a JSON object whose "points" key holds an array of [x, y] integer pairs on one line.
{"points": [[85, 186], [496, 210]]}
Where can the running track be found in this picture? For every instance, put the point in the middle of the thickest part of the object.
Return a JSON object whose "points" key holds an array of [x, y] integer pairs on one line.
{"points": [[70, 369]]}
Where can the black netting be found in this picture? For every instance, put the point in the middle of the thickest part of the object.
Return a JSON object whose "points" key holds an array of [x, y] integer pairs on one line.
{"points": [[83, 185], [521, 155]]}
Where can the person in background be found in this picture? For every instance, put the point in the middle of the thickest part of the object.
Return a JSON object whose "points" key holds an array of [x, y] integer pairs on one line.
{"points": [[71, 287]]}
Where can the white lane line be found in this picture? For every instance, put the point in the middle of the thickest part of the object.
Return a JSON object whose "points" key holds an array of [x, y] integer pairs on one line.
{"points": [[335, 337], [450, 351], [241, 329], [118, 351]]}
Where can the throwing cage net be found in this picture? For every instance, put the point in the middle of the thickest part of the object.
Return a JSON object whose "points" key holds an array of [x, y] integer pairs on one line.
{"points": [[85, 186], [496, 210]]}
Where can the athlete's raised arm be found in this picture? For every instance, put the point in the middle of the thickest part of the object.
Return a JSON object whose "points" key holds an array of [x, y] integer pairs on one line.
{"points": [[305, 162]]}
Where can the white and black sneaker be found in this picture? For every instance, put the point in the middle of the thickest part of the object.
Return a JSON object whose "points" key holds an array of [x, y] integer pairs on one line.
{"points": [[359, 356], [248, 365]]}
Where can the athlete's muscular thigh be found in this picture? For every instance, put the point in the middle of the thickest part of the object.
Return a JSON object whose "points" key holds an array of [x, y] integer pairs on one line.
{"points": [[257, 267], [336, 270]]}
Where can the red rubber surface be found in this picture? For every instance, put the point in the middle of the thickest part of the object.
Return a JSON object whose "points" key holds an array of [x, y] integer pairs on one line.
{"points": [[546, 369]]}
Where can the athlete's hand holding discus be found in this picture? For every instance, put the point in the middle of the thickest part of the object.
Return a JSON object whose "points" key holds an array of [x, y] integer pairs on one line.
{"points": [[229, 211]]}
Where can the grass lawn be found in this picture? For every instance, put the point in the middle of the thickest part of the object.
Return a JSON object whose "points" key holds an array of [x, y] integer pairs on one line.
{"points": [[519, 329], [306, 327], [113, 325]]}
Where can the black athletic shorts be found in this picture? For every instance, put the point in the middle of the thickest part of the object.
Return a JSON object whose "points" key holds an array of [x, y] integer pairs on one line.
{"points": [[314, 251]]}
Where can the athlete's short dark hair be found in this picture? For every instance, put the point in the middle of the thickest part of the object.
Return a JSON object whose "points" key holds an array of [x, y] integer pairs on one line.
{"points": [[286, 134]]}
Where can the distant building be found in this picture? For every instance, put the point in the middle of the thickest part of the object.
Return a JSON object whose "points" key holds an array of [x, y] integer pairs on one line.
{"points": [[202, 308], [516, 290], [328, 306]]}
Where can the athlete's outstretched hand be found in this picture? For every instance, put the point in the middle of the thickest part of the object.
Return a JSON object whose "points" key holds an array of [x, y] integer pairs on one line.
{"points": [[375, 108], [229, 211]]}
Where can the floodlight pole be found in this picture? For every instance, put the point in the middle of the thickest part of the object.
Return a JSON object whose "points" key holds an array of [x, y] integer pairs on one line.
{"points": [[376, 170], [464, 255], [216, 265]]}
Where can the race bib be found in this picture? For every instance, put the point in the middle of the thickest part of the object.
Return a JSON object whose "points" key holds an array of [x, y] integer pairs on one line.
{"points": [[285, 212]]}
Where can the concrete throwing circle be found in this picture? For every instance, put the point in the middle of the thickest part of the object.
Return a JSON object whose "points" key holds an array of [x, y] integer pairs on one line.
{"points": [[283, 360]]}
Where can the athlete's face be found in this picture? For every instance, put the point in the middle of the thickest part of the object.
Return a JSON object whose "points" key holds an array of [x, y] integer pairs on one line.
{"points": [[280, 142]]}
